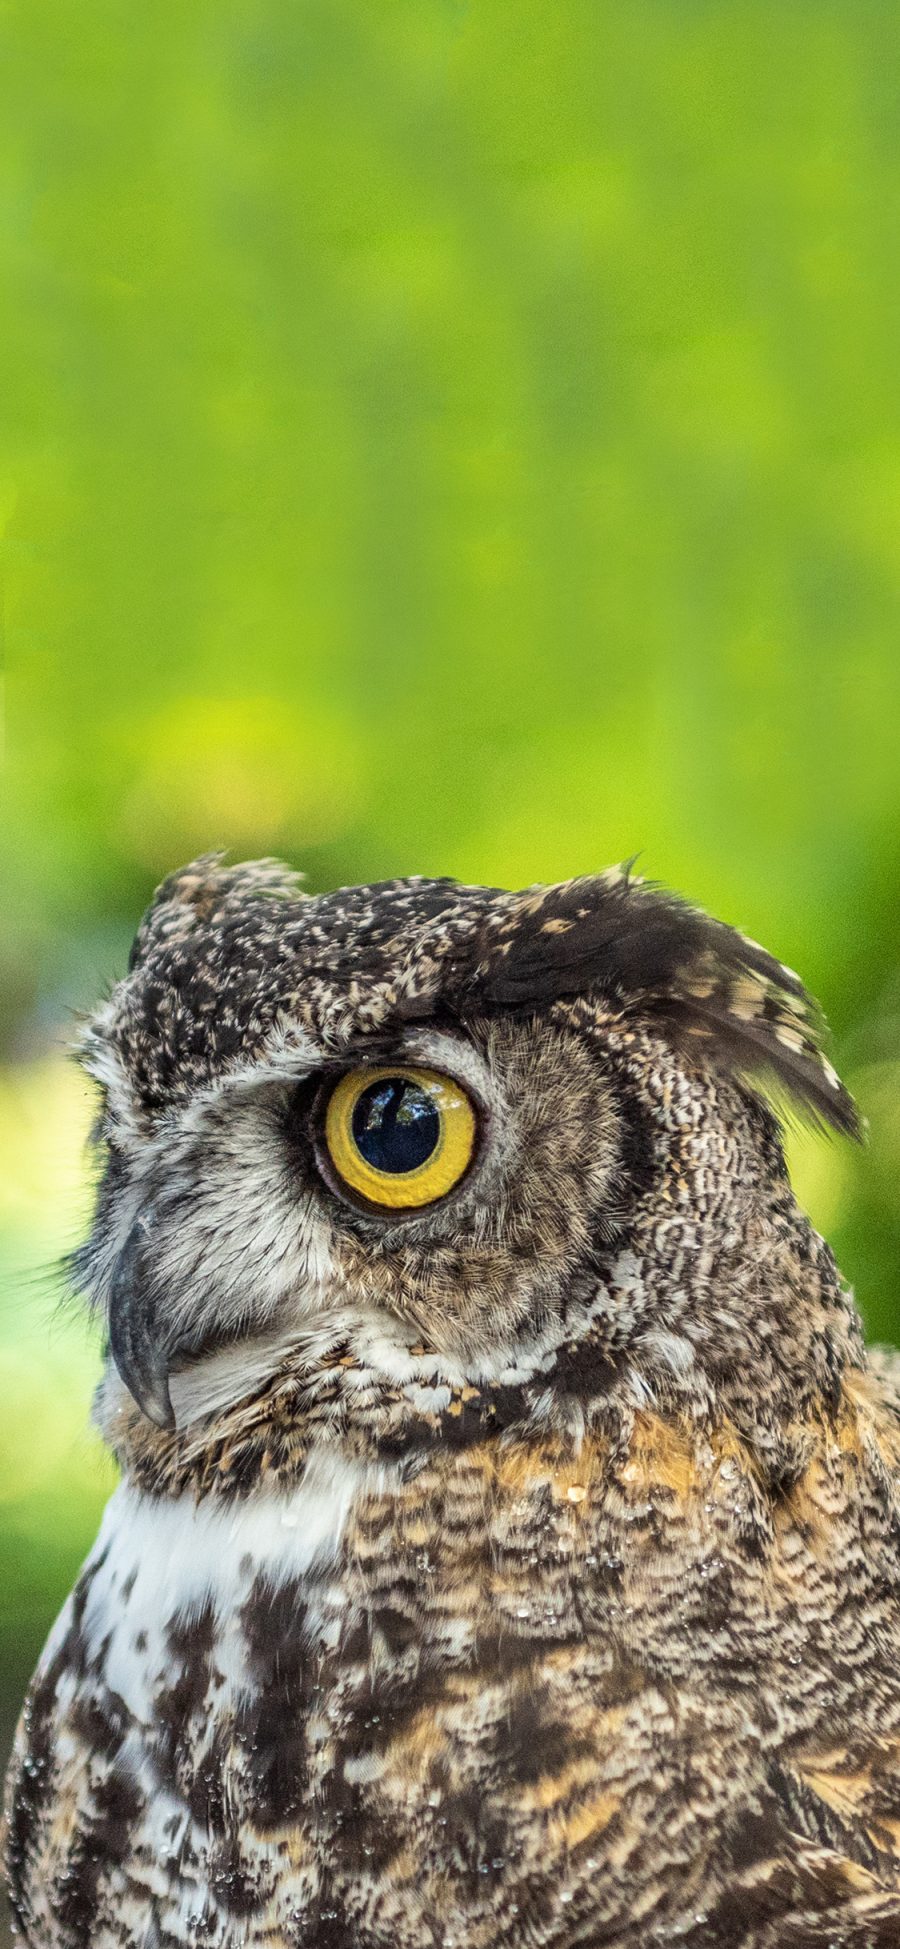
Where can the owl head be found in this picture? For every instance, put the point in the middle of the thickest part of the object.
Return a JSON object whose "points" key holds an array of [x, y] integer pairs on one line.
{"points": [[441, 1141]]}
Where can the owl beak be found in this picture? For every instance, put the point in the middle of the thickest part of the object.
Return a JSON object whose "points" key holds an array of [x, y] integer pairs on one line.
{"points": [[136, 1342]]}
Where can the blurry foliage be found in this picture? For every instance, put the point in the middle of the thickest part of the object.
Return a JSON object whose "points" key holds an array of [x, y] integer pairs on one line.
{"points": [[446, 437]]}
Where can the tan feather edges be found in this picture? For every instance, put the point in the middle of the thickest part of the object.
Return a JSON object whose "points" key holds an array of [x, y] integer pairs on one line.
{"points": [[633, 943]]}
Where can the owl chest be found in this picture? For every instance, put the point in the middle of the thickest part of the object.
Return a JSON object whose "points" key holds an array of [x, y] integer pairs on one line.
{"points": [[296, 1703], [374, 1691], [368, 1650]]}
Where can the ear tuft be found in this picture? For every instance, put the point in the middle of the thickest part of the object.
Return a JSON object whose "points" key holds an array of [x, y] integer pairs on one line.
{"points": [[762, 1024], [204, 890], [645, 950]]}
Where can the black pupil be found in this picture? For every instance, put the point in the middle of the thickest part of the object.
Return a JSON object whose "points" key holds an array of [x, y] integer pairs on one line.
{"points": [[396, 1124]]}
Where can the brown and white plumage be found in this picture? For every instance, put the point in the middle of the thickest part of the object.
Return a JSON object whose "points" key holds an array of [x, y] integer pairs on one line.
{"points": [[524, 1569]]}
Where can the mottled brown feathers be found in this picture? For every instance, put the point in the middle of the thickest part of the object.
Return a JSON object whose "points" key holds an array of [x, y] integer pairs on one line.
{"points": [[618, 938], [521, 1570], [225, 950]]}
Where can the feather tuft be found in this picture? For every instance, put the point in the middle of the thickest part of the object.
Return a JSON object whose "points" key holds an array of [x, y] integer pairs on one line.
{"points": [[646, 950]]}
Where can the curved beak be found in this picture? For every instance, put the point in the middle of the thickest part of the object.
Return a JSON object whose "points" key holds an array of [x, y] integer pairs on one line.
{"points": [[137, 1343]]}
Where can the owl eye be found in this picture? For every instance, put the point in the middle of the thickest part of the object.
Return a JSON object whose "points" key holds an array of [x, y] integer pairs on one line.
{"points": [[400, 1137]]}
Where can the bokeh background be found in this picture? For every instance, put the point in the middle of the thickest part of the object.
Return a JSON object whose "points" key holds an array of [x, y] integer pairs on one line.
{"points": [[440, 436]]}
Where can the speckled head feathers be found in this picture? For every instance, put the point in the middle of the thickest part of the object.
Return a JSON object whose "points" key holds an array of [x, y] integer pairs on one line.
{"points": [[519, 1564], [227, 956], [576, 1018]]}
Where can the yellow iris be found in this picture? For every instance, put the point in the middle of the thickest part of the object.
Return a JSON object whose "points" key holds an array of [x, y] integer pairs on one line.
{"points": [[400, 1136]]}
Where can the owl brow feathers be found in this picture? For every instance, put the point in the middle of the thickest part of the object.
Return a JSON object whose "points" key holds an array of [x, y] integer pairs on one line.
{"points": [[644, 948], [228, 957]]}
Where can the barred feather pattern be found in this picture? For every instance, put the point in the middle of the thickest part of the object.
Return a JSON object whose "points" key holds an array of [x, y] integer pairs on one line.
{"points": [[594, 1640]]}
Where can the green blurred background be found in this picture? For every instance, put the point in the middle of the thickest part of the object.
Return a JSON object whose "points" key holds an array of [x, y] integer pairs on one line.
{"points": [[450, 437]]}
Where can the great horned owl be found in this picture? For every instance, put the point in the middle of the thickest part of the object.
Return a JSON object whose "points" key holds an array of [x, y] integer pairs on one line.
{"points": [[508, 1545]]}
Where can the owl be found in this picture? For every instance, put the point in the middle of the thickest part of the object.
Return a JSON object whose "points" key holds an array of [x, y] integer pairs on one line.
{"points": [[507, 1548]]}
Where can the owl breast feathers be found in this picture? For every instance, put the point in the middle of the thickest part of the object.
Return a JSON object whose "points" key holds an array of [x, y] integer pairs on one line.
{"points": [[508, 1547]]}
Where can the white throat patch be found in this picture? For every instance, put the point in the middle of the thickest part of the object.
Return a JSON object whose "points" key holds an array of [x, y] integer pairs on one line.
{"points": [[161, 1559]]}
